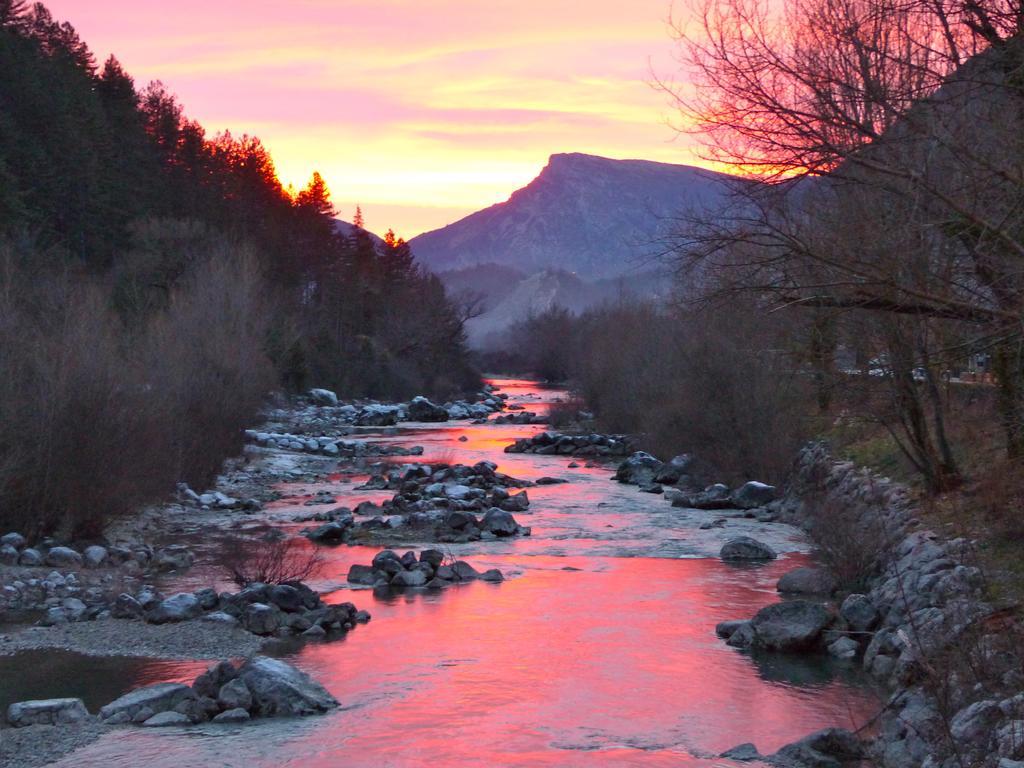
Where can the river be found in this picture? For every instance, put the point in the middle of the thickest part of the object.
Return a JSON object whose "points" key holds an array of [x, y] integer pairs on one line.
{"points": [[598, 649]]}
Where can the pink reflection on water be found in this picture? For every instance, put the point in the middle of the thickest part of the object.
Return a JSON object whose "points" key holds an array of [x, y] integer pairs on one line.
{"points": [[578, 659]]}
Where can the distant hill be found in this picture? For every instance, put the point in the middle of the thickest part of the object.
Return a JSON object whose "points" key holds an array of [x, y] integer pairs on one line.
{"points": [[590, 215], [510, 296]]}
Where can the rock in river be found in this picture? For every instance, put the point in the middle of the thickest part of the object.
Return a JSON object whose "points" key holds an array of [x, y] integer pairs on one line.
{"points": [[282, 690], [746, 548], [807, 581], [791, 626]]}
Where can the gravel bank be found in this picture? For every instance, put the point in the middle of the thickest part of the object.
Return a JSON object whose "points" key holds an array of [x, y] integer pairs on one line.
{"points": [[39, 745], [122, 637]]}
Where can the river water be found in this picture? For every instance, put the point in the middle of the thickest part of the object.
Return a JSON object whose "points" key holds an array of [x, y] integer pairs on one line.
{"points": [[598, 649]]}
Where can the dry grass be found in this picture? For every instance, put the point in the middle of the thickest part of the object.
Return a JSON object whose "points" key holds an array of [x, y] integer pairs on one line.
{"points": [[270, 560]]}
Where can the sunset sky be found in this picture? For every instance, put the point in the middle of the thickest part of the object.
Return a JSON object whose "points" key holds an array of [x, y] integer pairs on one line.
{"points": [[422, 111]]}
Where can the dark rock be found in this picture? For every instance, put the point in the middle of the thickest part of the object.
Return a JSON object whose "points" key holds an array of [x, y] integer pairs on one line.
{"points": [[752, 495], [280, 689], [791, 626], [859, 612], [807, 581], [363, 574], [746, 548], [639, 469]]}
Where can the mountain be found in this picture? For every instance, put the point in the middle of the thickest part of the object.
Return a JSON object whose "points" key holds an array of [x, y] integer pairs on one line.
{"points": [[590, 215], [510, 296]]}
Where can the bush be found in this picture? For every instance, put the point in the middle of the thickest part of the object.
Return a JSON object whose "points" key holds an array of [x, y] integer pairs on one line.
{"points": [[101, 416], [270, 560]]}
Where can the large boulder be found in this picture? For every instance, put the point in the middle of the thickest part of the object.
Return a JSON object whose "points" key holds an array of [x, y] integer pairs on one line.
{"points": [[752, 495], [791, 626], [180, 607], [323, 397], [47, 712], [713, 497], [421, 409], [518, 502], [675, 469], [499, 522], [807, 581], [416, 578], [279, 688], [159, 697], [366, 575], [639, 469], [746, 548], [333, 532]]}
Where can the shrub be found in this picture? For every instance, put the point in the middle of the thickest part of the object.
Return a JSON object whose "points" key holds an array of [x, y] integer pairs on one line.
{"points": [[270, 560]]}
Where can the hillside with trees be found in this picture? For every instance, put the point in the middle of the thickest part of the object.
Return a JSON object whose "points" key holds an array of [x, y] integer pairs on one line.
{"points": [[156, 283]]}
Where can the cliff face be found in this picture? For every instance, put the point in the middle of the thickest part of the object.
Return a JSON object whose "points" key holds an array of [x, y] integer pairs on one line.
{"points": [[589, 215]]}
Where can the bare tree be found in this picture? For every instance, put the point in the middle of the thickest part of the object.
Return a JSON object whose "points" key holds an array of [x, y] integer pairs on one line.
{"points": [[888, 131]]}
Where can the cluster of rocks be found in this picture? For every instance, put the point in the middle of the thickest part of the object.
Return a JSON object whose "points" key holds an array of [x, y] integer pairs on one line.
{"points": [[328, 446], [428, 570], [49, 553], [443, 499], [922, 616], [261, 687], [559, 444], [806, 626], [827, 748], [682, 473], [521, 417], [215, 500], [419, 409], [281, 610]]}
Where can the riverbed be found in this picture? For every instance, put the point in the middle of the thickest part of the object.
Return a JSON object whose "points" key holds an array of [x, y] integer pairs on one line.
{"points": [[598, 649]]}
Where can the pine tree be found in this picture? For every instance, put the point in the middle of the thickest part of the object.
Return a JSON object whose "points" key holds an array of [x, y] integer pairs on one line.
{"points": [[357, 220]]}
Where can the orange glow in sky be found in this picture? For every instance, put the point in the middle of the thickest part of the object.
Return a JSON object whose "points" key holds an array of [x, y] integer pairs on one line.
{"points": [[420, 110]]}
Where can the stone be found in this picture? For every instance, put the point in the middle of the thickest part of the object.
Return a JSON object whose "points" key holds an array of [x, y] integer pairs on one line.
{"points": [[30, 558], [499, 522], [315, 632], [517, 502], [744, 753], [746, 548], [13, 539], [94, 555], [493, 575], [9, 555], [726, 629], [282, 690], [159, 697], [432, 556], [142, 715], [675, 469], [859, 612], [415, 578], [363, 574], [209, 683], [180, 607], [261, 619], [464, 571], [828, 748], [232, 716], [333, 532], [388, 562], [285, 597], [752, 495], [459, 520], [235, 694], [807, 581], [421, 409], [166, 719], [219, 617], [62, 557], [207, 598], [743, 637], [973, 724], [73, 608], [323, 397], [47, 712], [121, 718], [791, 626], [843, 648], [639, 469]]}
